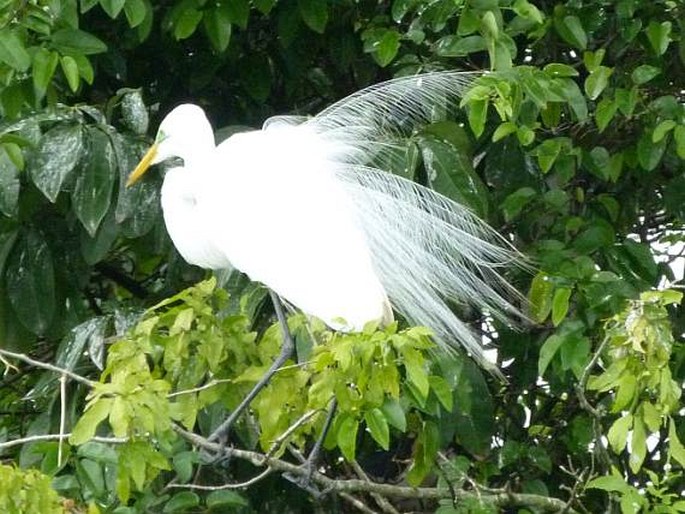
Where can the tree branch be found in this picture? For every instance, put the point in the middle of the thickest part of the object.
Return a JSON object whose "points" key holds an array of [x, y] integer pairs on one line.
{"points": [[38, 364]]}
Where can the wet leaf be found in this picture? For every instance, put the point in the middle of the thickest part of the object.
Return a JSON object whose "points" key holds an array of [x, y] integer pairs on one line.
{"points": [[9, 185], [95, 179], [31, 282], [58, 151]]}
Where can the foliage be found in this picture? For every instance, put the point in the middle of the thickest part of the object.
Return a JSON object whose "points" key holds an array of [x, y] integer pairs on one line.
{"points": [[27, 491], [573, 148]]}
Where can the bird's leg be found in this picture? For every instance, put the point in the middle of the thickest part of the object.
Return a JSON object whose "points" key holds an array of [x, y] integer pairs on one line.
{"points": [[287, 350], [305, 481]]}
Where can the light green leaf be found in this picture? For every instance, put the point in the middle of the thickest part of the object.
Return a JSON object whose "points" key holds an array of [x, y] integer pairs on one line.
{"points": [[347, 437], [547, 352], [540, 296], [378, 427], [44, 66], [477, 115], [394, 414], [181, 502], [627, 387], [560, 70], [12, 51], [560, 304], [70, 70], [618, 433], [644, 73], [662, 129], [609, 483], [135, 11], [527, 10], [679, 138], [638, 446], [571, 30], [503, 130], [225, 499], [489, 25], [675, 447], [441, 390], [88, 423], [597, 82], [606, 109], [187, 23]]}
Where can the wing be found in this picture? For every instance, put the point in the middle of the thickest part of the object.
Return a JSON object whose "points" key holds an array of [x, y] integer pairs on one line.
{"points": [[292, 225]]}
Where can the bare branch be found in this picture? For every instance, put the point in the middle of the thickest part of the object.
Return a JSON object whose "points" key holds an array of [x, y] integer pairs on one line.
{"points": [[382, 502], [357, 503], [58, 437], [38, 364], [239, 485]]}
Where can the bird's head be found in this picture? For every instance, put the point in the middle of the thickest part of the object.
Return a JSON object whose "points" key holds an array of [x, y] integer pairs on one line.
{"points": [[185, 133]]}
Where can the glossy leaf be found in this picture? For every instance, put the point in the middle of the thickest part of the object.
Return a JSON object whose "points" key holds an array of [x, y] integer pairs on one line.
{"points": [[112, 7], [347, 437], [12, 51], [378, 427], [30, 280], [218, 28], [9, 185], [77, 41], [314, 13], [95, 179], [58, 151]]}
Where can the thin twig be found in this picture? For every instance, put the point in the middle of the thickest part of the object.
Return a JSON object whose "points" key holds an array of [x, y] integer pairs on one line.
{"points": [[208, 385], [285, 435], [58, 437], [239, 485], [51, 367], [62, 415], [357, 503], [580, 388]]}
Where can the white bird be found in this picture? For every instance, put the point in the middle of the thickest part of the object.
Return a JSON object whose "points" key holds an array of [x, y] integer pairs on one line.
{"points": [[306, 207]]}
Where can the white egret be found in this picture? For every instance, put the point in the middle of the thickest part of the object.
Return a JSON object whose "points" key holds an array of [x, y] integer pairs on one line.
{"points": [[306, 207]]}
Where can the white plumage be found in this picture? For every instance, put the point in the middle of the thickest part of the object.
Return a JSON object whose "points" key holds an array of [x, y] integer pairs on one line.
{"points": [[307, 208]]}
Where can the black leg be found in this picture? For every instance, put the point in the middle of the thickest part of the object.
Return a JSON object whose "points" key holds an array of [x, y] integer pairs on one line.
{"points": [[287, 351]]}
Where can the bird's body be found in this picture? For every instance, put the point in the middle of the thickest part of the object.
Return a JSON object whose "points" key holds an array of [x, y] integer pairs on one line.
{"points": [[306, 245], [307, 207]]}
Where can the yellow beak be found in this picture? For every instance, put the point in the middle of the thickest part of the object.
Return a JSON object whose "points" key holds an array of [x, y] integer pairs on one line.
{"points": [[143, 165]]}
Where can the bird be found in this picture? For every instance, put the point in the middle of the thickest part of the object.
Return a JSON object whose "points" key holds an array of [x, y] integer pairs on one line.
{"points": [[309, 207]]}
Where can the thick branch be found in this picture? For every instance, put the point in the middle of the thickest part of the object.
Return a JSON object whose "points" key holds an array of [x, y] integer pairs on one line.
{"points": [[351, 486]]}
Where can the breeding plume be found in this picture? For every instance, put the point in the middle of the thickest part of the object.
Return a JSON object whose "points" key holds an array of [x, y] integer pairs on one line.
{"points": [[307, 207]]}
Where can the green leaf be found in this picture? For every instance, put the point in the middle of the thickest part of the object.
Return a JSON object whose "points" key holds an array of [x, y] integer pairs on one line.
{"points": [[31, 282], [547, 352], [387, 47], [638, 445], [187, 23], [441, 390], [626, 100], [225, 499], [540, 297], [644, 73], [547, 152], [57, 153], [112, 7], [675, 447], [503, 130], [378, 427], [9, 184], [560, 70], [181, 502], [44, 66], [347, 437], [70, 70], [606, 109], [618, 433], [571, 30], [394, 414], [679, 138], [446, 152], [597, 82], [649, 154], [560, 304], [455, 46], [662, 129], [95, 180], [88, 423], [478, 114], [12, 51], [218, 28], [135, 11], [70, 41], [527, 10], [264, 6], [314, 13], [609, 483], [659, 35], [516, 201], [237, 12], [133, 112]]}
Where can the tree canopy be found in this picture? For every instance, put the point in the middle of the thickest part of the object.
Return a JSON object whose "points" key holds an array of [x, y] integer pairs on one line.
{"points": [[120, 359]]}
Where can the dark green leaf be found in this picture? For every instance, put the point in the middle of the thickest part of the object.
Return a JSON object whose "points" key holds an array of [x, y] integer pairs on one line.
{"points": [[571, 30], [394, 414], [31, 282], [181, 502], [58, 151], [133, 111], [9, 185], [95, 179], [314, 13], [597, 82], [649, 154], [516, 201], [225, 499], [77, 41], [679, 137], [455, 46], [186, 23], [540, 297], [135, 11], [218, 28], [659, 35], [236, 11], [547, 352], [44, 66]]}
